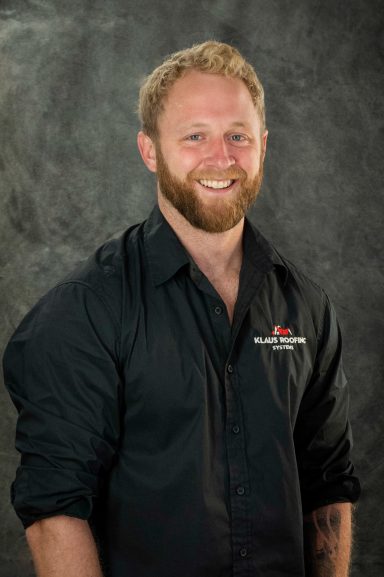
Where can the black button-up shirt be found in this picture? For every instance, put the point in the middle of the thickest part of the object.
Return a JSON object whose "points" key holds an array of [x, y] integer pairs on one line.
{"points": [[193, 446]]}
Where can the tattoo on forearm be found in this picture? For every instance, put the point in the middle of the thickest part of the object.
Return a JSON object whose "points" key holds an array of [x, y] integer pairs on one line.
{"points": [[321, 534]]}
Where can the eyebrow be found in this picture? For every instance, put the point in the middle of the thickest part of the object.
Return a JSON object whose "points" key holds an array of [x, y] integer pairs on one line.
{"points": [[204, 125]]}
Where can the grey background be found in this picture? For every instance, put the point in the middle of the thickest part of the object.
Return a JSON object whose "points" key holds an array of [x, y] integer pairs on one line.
{"points": [[71, 175]]}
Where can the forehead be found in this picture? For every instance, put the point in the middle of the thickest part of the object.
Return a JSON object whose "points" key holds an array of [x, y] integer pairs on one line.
{"points": [[200, 97]]}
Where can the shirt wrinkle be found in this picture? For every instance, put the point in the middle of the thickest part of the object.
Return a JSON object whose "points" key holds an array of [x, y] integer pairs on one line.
{"points": [[98, 293]]}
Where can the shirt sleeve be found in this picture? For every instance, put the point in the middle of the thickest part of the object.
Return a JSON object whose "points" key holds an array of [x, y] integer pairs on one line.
{"points": [[323, 437], [61, 371]]}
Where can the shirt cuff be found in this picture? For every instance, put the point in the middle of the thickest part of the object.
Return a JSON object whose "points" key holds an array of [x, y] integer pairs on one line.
{"points": [[38, 493]]}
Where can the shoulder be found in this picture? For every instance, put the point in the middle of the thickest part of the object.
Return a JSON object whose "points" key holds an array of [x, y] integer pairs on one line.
{"points": [[291, 279], [107, 262], [310, 296], [92, 292], [88, 299], [104, 272], [301, 281]]}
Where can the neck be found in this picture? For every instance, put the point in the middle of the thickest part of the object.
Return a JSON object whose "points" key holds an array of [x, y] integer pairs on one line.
{"points": [[215, 254]]}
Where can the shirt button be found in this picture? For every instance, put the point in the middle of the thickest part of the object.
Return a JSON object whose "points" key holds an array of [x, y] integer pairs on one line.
{"points": [[230, 369], [218, 310], [236, 429], [240, 490], [243, 552]]}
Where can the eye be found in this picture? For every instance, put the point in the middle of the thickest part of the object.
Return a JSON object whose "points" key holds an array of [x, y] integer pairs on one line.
{"points": [[237, 137], [193, 137]]}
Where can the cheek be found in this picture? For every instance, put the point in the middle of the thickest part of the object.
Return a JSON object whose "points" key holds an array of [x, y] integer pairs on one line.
{"points": [[251, 164], [184, 162]]}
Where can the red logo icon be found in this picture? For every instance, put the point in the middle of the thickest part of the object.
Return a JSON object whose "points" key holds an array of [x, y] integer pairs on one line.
{"points": [[281, 331]]}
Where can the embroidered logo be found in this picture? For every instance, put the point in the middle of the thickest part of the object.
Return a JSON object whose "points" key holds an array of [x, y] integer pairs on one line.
{"points": [[281, 338], [278, 330]]}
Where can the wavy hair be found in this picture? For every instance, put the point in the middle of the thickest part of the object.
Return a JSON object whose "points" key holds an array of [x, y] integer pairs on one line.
{"points": [[212, 57]]}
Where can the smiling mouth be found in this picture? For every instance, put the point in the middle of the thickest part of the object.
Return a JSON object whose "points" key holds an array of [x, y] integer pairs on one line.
{"points": [[216, 184]]}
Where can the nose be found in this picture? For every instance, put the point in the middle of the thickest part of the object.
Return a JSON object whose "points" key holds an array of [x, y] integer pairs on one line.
{"points": [[218, 154]]}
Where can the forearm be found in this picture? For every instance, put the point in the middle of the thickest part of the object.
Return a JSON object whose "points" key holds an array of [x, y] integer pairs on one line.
{"points": [[63, 547], [327, 541]]}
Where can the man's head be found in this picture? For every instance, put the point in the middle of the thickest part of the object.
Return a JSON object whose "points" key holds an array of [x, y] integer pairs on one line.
{"points": [[203, 127]]}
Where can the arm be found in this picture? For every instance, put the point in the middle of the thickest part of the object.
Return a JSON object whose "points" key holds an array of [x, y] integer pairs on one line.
{"points": [[60, 368], [327, 541], [63, 547], [323, 442]]}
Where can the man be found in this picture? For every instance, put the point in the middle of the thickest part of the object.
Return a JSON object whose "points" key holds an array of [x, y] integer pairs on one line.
{"points": [[183, 409]]}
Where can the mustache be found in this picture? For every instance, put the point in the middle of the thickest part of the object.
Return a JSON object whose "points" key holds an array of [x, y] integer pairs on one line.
{"points": [[234, 173]]}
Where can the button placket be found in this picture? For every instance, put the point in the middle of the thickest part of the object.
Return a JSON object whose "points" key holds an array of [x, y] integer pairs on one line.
{"points": [[238, 474]]}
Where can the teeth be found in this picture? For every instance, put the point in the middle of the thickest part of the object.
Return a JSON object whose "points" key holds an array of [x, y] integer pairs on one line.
{"points": [[216, 183]]}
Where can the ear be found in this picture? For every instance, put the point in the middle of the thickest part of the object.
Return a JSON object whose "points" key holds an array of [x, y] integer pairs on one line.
{"points": [[264, 138], [147, 150]]}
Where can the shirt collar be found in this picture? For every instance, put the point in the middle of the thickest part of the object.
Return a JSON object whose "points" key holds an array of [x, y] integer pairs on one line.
{"points": [[260, 253], [166, 254]]}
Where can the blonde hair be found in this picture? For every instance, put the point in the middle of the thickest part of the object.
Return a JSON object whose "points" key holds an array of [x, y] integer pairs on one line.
{"points": [[212, 57]]}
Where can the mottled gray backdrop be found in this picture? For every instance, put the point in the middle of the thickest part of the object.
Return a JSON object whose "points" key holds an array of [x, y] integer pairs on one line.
{"points": [[71, 176]]}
